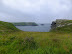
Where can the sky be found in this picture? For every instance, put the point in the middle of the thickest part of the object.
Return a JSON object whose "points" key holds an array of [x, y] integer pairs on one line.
{"points": [[39, 11]]}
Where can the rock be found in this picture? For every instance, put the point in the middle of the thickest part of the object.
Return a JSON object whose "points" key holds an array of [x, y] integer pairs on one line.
{"points": [[53, 25], [69, 24], [59, 23]]}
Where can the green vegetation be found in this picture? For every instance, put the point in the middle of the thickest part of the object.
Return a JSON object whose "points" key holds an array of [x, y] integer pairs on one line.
{"points": [[67, 28], [15, 41], [25, 24], [6, 27], [64, 22], [64, 29]]}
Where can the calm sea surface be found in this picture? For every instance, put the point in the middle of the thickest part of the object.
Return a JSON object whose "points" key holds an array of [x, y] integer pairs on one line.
{"points": [[39, 28]]}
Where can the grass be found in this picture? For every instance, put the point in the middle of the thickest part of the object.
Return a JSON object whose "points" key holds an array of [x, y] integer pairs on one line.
{"points": [[14, 41], [64, 29]]}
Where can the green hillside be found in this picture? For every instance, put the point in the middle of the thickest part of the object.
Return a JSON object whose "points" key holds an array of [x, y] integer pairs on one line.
{"points": [[64, 26], [7, 27], [20, 42]]}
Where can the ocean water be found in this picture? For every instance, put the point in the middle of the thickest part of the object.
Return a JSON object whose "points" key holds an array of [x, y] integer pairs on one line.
{"points": [[39, 28]]}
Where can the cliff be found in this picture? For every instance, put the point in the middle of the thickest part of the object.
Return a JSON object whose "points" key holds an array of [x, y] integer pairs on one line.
{"points": [[61, 25]]}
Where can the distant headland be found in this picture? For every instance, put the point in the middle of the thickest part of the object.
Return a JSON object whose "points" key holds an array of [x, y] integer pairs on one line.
{"points": [[25, 24]]}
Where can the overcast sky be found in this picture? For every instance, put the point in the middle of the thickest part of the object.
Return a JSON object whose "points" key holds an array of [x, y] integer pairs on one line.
{"points": [[40, 11]]}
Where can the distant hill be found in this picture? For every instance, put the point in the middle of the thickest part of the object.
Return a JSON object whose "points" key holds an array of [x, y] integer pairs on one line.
{"points": [[25, 24]]}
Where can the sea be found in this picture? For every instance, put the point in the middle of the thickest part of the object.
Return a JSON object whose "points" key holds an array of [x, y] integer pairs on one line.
{"points": [[39, 28]]}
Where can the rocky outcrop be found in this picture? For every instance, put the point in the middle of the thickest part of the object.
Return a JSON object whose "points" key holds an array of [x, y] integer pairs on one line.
{"points": [[60, 23], [53, 25]]}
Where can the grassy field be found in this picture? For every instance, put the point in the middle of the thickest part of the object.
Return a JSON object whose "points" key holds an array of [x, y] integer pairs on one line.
{"points": [[14, 41]]}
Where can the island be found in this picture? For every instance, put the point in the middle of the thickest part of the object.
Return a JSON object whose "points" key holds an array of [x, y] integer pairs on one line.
{"points": [[42, 24]]}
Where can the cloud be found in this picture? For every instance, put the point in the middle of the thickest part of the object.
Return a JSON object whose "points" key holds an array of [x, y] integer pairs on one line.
{"points": [[59, 5], [35, 5], [23, 5], [37, 10], [14, 18]]}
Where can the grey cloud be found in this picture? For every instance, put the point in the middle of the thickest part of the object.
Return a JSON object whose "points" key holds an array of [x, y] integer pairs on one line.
{"points": [[45, 15]]}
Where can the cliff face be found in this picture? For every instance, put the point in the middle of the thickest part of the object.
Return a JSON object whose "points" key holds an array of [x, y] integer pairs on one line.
{"points": [[53, 25], [59, 23]]}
